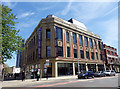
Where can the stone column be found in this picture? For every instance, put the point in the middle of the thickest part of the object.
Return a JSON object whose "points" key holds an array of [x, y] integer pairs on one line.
{"points": [[73, 69], [104, 66], [54, 69], [96, 67], [42, 68], [111, 67], [86, 66]]}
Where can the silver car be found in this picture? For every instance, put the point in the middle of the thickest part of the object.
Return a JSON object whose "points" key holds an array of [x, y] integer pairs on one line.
{"points": [[110, 72]]}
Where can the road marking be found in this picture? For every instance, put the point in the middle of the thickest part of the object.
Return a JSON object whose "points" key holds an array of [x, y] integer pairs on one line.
{"points": [[74, 81]]}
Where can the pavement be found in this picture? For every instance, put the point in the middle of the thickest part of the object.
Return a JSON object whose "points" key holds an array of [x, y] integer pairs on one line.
{"points": [[14, 83], [64, 81]]}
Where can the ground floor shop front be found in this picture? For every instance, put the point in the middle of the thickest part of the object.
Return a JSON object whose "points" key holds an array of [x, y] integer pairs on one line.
{"points": [[64, 68]]}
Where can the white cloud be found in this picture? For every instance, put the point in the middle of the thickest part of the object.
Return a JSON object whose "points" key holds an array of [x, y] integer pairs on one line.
{"points": [[89, 11], [26, 14], [111, 32], [67, 9], [11, 4]]}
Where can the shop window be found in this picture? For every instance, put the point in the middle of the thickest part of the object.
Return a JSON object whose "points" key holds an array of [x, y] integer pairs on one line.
{"points": [[65, 69]]}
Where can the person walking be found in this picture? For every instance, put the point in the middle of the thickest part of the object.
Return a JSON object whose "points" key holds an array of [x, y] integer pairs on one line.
{"points": [[38, 75], [23, 76]]}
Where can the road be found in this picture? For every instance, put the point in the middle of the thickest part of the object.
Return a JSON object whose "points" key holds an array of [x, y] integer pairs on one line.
{"points": [[109, 81]]}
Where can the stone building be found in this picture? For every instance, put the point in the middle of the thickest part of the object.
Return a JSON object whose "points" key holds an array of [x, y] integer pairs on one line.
{"points": [[65, 44], [111, 57]]}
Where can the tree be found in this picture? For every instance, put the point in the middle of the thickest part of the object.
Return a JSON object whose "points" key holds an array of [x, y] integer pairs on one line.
{"points": [[11, 41]]}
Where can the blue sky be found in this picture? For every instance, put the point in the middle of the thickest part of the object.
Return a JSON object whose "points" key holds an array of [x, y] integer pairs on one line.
{"points": [[99, 17]]}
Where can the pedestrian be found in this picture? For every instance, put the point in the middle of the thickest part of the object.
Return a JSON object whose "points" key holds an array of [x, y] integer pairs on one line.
{"points": [[23, 76], [38, 75]]}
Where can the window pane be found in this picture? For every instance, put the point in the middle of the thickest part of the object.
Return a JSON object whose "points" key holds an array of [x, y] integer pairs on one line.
{"points": [[59, 33], [67, 36], [86, 41], [97, 55], [48, 51], [80, 40], [91, 44], [92, 55], [75, 53], [48, 33], [95, 44], [82, 54], [87, 54], [68, 51], [60, 51], [99, 44], [74, 38]]}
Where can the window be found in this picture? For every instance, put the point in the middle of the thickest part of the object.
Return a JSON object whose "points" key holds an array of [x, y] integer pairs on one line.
{"points": [[75, 53], [48, 49], [87, 55], [67, 36], [68, 51], [59, 33], [48, 33], [74, 38], [95, 44], [60, 51], [97, 55], [91, 44], [101, 56], [108, 52], [80, 40], [112, 53], [82, 54], [92, 55], [86, 41], [99, 44]]}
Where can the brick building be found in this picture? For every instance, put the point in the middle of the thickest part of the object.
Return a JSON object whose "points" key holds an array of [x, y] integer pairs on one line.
{"points": [[111, 57], [65, 44]]}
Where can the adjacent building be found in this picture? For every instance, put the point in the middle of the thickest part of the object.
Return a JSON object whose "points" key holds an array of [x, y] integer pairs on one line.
{"points": [[111, 57], [68, 46], [18, 61]]}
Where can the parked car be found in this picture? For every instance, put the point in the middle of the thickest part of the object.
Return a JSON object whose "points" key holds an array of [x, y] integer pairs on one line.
{"points": [[86, 75], [110, 72], [100, 74]]}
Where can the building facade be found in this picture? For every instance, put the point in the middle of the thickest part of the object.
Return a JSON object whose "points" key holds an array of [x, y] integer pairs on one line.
{"points": [[68, 46], [111, 57], [18, 61]]}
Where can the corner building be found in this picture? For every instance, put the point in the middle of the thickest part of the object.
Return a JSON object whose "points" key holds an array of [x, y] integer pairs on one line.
{"points": [[65, 44], [112, 62]]}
